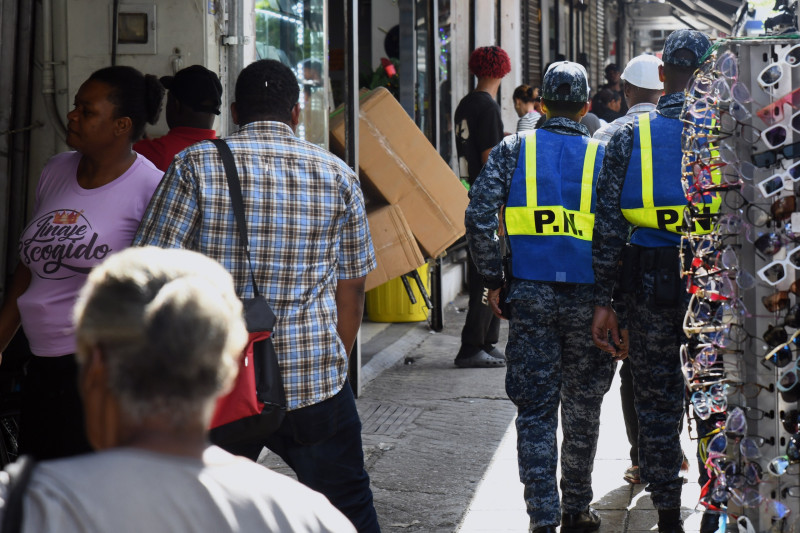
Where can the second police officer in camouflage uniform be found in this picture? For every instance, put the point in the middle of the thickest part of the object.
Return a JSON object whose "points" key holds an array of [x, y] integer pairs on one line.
{"points": [[545, 179], [641, 187]]}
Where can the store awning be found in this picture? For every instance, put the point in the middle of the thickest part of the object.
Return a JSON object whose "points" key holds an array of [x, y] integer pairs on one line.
{"points": [[718, 14]]}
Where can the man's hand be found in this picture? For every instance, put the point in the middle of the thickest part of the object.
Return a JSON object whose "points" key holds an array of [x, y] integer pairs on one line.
{"points": [[603, 323], [494, 303], [622, 352]]}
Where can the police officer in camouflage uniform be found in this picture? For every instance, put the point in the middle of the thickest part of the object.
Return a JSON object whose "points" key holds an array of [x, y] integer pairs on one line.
{"points": [[545, 180], [640, 187]]}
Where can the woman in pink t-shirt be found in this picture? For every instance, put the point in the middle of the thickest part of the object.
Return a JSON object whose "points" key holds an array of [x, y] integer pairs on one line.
{"points": [[88, 206]]}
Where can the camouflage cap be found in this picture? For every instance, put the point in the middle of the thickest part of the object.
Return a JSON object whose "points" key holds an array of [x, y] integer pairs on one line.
{"points": [[692, 40], [566, 72]]}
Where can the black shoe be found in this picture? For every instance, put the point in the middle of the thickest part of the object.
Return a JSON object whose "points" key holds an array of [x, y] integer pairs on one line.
{"points": [[544, 529], [709, 523], [669, 521], [584, 522]]}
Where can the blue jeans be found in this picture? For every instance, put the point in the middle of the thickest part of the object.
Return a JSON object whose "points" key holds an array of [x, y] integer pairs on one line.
{"points": [[322, 444]]}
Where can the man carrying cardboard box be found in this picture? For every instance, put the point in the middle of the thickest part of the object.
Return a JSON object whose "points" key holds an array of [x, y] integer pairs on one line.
{"points": [[479, 127]]}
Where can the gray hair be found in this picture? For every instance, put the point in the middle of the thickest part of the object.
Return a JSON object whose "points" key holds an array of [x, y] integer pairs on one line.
{"points": [[170, 330]]}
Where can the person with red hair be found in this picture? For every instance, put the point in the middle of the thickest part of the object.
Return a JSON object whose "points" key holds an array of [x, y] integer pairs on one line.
{"points": [[478, 128]]}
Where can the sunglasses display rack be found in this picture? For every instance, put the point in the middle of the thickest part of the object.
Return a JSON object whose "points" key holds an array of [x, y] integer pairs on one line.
{"points": [[741, 263]]}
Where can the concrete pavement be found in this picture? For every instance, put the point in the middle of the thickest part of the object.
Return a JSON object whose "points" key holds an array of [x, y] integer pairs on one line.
{"points": [[440, 441]]}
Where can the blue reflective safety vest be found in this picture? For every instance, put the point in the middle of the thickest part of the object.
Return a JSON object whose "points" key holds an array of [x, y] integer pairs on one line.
{"points": [[652, 196], [549, 215]]}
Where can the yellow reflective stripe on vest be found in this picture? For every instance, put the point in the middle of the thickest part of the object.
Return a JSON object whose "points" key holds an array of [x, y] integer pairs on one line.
{"points": [[549, 220], [588, 176], [646, 150], [534, 219], [530, 170], [664, 217]]}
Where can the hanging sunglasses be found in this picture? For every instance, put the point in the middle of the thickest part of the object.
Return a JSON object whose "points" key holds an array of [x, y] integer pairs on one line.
{"points": [[783, 207], [790, 420], [777, 301], [788, 383], [769, 243], [738, 476], [781, 353], [772, 113], [730, 124], [792, 318], [705, 403], [779, 465], [736, 200], [769, 158], [774, 72], [774, 184], [775, 335], [750, 389], [775, 136], [776, 271]]}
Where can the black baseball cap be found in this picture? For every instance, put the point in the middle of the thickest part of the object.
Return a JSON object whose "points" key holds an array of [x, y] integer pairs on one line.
{"points": [[197, 87]]}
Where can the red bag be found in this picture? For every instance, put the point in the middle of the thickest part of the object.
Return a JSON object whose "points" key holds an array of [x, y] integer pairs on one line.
{"points": [[256, 405]]}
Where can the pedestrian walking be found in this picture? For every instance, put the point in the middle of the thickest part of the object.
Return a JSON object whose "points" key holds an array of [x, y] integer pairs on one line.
{"points": [[640, 188], [642, 88], [546, 179], [89, 202], [528, 105], [193, 103], [478, 128], [311, 251]]}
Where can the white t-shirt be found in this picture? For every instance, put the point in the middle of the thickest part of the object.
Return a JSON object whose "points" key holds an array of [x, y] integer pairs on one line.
{"points": [[133, 490]]}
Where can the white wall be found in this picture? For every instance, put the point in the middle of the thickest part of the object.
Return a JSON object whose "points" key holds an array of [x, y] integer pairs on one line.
{"points": [[187, 32], [511, 42]]}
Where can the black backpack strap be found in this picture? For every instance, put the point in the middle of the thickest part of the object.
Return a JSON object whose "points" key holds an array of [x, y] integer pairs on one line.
{"points": [[20, 475], [235, 190]]}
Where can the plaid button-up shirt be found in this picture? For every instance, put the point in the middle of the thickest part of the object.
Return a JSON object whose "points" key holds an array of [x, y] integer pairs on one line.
{"points": [[307, 228]]}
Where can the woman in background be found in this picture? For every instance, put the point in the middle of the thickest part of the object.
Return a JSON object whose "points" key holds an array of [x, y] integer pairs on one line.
{"points": [[527, 104], [88, 206]]}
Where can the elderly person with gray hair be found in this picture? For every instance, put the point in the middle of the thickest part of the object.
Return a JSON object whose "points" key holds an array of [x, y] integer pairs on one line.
{"points": [[159, 333]]}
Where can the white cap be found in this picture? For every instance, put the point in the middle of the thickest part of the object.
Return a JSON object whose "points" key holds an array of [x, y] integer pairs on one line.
{"points": [[642, 71]]}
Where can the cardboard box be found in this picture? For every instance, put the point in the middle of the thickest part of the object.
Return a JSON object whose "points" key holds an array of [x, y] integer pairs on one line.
{"points": [[398, 164], [395, 248]]}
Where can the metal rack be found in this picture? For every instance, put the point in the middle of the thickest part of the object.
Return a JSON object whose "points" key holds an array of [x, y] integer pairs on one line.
{"points": [[765, 409]]}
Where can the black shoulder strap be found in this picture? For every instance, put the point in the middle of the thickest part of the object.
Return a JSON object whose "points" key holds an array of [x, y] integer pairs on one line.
{"points": [[235, 190], [20, 475]]}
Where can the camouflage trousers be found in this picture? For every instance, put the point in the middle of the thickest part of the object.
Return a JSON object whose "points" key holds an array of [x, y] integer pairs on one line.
{"points": [[550, 359], [655, 338]]}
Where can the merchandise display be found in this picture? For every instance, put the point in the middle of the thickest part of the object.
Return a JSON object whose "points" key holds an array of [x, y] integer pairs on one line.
{"points": [[740, 259]]}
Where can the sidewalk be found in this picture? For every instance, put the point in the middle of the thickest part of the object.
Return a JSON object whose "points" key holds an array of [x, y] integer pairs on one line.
{"points": [[440, 442]]}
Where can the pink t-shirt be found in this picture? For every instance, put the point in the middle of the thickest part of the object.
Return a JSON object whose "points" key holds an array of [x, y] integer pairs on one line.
{"points": [[72, 230]]}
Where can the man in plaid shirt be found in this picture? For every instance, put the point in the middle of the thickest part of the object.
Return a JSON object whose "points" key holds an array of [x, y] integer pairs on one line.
{"points": [[311, 250]]}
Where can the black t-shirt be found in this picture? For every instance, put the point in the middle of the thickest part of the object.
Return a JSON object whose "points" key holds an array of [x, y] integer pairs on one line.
{"points": [[478, 127]]}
